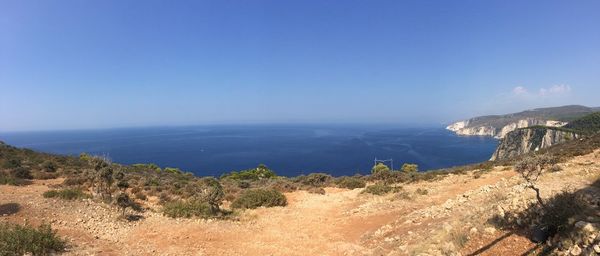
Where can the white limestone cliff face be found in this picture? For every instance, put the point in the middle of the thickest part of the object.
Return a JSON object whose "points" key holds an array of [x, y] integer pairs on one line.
{"points": [[523, 141], [463, 128]]}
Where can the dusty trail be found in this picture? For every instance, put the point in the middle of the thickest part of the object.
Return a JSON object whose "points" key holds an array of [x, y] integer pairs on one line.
{"points": [[341, 222]]}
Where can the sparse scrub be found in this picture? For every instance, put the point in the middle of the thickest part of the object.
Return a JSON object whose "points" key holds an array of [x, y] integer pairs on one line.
{"points": [[410, 168], [315, 179], [380, 189], [141, 196], [21, 240], [66, 194], [316, 190], [531, 168], [555, 168], [350, 182], [403, 195], [258, 173], [187, 209], [422, 191], [255, 198]]}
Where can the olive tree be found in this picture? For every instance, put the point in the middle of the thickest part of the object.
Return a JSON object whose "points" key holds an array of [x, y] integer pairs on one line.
{"points": [[531, 168]]}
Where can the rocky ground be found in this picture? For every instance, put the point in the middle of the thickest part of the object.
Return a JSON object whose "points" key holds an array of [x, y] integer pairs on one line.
{"points": [[450, 219]]}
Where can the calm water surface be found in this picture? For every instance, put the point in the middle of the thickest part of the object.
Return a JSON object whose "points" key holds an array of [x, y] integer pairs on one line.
{"points": [[289, 150]]}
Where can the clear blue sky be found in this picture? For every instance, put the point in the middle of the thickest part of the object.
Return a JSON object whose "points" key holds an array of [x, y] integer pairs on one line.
{"points": [[100, 64]]}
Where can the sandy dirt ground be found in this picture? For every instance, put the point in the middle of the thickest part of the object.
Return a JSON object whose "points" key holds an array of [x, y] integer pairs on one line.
{"points": [[341, 222]]}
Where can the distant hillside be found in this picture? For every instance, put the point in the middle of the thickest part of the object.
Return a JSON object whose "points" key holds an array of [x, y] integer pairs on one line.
{"points": [[587, 124], [500, 125], [534, 138]]}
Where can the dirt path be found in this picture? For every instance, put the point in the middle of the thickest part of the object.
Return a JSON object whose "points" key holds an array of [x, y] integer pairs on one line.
{"points": [[341, 222]]}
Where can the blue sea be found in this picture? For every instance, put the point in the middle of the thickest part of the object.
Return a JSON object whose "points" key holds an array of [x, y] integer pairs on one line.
{"points": [[289, 150]]}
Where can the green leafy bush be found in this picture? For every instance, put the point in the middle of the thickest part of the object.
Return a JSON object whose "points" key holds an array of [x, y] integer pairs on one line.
{"points": [[21, 240], [255, 198], [315, 179], [379, 167], [188, 209], [258, 173], [350, 182], [66, 194], [379, 189], [410, 168], [21, 173], [6, 179]]}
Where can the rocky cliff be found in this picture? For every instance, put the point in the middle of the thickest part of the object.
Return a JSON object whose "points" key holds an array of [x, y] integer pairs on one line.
{"points": [[463, 127], [500, 125], [522, 141]]}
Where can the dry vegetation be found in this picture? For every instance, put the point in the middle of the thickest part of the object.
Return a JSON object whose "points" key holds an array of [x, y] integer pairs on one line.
{"points": [[95, 204]]}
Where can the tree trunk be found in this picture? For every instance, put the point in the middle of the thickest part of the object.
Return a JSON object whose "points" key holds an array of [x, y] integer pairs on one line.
{"points": [[537, 195]]}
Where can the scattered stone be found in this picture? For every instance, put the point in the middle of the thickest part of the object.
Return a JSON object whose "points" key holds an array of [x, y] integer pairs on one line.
{"points": [[585, 226], [490, 230], [597, 248], [575, 250]]}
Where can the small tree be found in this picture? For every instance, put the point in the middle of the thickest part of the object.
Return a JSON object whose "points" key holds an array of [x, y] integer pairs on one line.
{"points": [[124, 202], [531, 168], [379, 167], [212, 193], [49, 166], [104, 176], [122, 184], [410, 168]]}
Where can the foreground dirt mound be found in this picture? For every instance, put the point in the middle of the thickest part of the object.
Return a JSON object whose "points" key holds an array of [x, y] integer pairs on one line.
{"points": [[449, 218]]}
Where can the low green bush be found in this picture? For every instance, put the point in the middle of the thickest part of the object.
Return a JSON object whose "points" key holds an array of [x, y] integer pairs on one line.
{"points": [[315, 179], [8, 180], [22, 240], [350, 182], [188, 209], [66, 194], [422, 191], [379, 189], [258, 173], [255, 198]]}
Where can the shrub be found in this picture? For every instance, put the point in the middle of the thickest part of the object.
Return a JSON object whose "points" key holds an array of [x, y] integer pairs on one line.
{"points": [[211, 192], [410, 168], [45, 175], [531, 168], [316, 190], [422, 191], [283, 185], [379, 167], [22, 240], [404, 195], [21, 173], [255, 198], [124, 202], [74, 181], [187, 209], [8, 180], [315, 179], [66, 194], [140, 195], [350, 182], [379, 189], [49, 166], [258, 173], [555, 168]]}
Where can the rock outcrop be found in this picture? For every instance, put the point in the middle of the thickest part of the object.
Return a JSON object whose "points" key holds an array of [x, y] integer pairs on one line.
{"points": [[500, 125], [525, 140], [463, 127]]}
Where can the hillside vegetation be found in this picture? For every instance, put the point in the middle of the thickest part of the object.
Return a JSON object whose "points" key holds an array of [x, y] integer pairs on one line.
{"points": [[588, 124], [257, 212], [563, 113]]}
